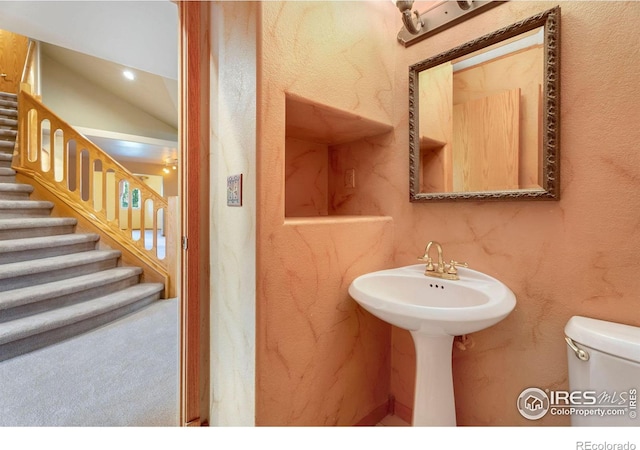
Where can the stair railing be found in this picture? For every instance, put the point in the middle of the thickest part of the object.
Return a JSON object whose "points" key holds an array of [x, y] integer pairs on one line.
{"points": [[89, 181], [30, 80]]}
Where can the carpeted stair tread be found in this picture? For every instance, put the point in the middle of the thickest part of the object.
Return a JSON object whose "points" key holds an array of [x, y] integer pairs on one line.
{"points": [[8, 102], [15, 187], [13, 123], [17, 228], [33, 294], [6, 159], [36, 222], [68, 315], [55, 263], [7, 149], [48, 247], [42, 242], [7, 175], [25, 204], [24, 208], [14, 190], [8, 112]]}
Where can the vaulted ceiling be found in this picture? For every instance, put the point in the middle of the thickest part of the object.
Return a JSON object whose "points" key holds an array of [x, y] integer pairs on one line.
{"points": [[97, 40]]}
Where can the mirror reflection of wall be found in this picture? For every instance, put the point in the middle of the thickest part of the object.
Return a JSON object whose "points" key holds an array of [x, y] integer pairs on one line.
{"points": [[480, 118]]}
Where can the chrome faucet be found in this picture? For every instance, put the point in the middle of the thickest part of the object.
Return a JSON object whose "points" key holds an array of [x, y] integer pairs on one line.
{"points": [[440, 269]]}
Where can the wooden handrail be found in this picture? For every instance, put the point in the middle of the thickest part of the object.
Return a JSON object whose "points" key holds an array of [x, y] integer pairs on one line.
{"points": [[30, 72], [89, 181]]}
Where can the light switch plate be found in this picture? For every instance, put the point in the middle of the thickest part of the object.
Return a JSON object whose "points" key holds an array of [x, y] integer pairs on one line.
{"points": [[234, 190], [350, 178]]}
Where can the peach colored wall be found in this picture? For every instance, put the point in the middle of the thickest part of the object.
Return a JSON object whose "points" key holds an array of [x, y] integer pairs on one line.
{"points": [[577, 256], [306, 175], [320, 359]]}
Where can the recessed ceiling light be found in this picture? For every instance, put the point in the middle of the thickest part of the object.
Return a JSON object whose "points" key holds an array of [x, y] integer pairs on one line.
{"points": [[128, 75]]}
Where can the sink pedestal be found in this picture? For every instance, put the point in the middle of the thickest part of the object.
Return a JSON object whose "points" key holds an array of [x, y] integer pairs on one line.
{"points": [[433, 404], [434, 311]]}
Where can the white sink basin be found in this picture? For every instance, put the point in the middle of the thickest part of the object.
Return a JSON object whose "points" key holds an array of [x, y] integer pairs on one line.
{"points": [[434, 310], [408, 299]]}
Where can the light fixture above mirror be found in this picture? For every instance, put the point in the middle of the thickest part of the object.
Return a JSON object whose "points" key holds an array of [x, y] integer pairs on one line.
{"points": [[443, 15]]}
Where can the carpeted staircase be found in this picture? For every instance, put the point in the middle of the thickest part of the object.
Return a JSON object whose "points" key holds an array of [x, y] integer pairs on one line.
{"points": [[54, 283]]}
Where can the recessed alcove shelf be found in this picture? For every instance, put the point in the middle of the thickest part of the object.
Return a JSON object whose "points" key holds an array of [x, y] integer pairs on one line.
{"points": [[329, 220], [325, 151]]}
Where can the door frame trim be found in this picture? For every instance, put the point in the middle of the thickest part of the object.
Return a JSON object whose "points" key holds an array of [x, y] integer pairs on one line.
{"points": [[195, 49]]}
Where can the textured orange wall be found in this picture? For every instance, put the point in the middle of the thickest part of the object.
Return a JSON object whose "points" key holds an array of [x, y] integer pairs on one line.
{"points": [[577, 256], [320, 358]]}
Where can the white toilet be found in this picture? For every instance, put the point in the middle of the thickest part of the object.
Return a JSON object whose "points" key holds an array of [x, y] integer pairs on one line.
{"points": [[604, 362]]}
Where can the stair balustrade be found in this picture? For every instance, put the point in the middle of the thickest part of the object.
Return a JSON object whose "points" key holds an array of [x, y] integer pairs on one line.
{"points": [[92, 183]]}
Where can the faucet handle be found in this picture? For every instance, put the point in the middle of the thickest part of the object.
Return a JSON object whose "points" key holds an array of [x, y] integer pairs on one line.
{"points": [[453, 264], [428, 260]]}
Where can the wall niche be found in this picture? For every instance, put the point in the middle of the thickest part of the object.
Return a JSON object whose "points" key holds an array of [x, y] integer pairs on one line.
{"points": [[326, 152]]}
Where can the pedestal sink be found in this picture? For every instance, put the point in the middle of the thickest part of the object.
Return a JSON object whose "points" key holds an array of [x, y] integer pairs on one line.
{"points": [[434, 311]]}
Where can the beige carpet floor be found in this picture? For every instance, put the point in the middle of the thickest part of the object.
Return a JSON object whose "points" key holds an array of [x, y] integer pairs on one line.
{"points": [[122, 374]]}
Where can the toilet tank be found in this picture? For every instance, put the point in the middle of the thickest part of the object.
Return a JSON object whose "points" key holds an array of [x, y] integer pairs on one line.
{"points": [[609, 370]]}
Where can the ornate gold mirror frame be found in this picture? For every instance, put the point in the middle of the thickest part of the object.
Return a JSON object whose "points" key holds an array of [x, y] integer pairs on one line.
{"points": [[549, 178]]}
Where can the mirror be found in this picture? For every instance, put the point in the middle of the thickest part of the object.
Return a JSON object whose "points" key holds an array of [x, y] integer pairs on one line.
{"points": [[484, 116]]}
